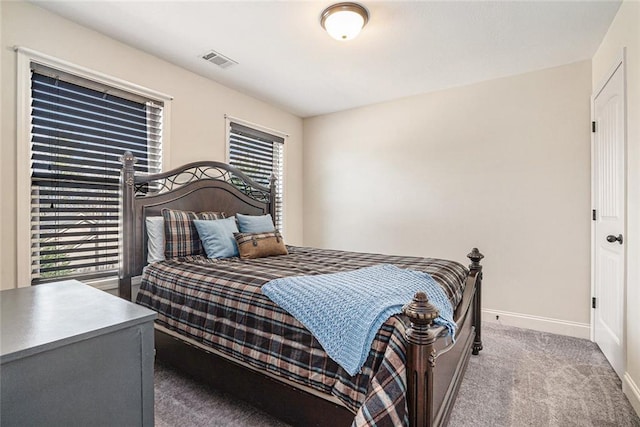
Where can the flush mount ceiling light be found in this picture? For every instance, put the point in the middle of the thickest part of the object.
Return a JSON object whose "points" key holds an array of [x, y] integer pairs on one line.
{"points": [[343, 21]]}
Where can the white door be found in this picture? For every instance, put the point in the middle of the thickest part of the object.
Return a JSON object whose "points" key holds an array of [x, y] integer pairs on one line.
{"points": [[609, 225]]}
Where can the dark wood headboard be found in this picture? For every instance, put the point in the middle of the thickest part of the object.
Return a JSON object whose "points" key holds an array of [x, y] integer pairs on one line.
{"points": [[199, 186]]}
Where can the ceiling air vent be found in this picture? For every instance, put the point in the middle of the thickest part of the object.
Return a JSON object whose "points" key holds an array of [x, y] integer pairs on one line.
{"points": [[218, 59]]}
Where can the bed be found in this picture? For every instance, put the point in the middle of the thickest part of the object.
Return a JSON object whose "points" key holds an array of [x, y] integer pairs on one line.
{"points": [[216, 325]]}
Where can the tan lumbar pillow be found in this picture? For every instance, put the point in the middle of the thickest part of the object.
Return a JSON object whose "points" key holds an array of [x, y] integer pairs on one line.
{"points": [[260, 245]]}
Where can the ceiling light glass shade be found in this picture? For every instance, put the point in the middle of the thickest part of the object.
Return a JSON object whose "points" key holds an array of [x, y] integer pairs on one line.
{"points": [[343, 21]]}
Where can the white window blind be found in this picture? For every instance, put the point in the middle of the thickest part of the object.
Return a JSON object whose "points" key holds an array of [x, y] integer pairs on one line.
{"points": [[259, 155], [79, 130]]}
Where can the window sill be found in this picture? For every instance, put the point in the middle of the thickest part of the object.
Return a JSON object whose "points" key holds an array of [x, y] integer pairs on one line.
{"points": [[110, 283]]}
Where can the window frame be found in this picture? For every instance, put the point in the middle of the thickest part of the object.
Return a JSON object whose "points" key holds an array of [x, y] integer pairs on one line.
{"points": [[227, 144], [25, 57]]}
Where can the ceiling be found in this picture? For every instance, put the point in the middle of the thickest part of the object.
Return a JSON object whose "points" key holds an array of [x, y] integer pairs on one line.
{"points": [[285, 57]]}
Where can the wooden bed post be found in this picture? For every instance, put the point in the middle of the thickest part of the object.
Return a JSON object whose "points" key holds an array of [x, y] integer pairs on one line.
{"points": [[126, 264], [272, 198], [420, 360], [475, 256]]}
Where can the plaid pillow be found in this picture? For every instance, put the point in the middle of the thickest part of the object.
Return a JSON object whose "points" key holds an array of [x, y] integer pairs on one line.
{"points": [[180, 234], [210, 215], [260, 245]]}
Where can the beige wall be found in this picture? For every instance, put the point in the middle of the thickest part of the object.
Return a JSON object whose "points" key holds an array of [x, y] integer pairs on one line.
{"points": [[197, 128], [502, 165], [625, 32]]}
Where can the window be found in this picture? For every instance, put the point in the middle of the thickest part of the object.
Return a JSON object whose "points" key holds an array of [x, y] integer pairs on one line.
{"points": [[259, 155], [79, 130]]}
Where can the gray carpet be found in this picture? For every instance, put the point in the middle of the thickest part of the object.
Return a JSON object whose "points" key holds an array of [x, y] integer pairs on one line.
{"points": [[529, 378], [183, 402], [521, 378]]}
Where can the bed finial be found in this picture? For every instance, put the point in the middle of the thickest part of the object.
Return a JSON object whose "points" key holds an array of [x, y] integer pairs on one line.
{"points": [[128, 160], [475, 256], [420, 359], [420, 311]]}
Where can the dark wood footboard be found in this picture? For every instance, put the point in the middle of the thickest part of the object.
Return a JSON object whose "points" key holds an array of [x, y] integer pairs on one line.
{"points": [[425, 405]]}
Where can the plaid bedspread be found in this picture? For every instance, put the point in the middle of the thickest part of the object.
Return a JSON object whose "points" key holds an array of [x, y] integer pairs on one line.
{"points": [[219, 303]]}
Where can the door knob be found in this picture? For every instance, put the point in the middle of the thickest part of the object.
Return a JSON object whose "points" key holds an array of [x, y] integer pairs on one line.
{"points": [[611, 238]]}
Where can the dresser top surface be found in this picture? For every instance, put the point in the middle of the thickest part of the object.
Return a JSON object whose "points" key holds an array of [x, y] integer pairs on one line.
{"points": [[43, 317]]}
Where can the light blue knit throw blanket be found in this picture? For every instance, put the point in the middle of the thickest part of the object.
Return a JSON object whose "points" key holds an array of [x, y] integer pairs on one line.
{"points": [[345, 310]]}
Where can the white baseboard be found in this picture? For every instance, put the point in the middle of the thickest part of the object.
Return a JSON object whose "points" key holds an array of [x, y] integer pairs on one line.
{"points": [[544, 324], [632, 391]]}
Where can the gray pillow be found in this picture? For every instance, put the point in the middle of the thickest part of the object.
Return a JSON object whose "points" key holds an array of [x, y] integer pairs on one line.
{"points": [[155, 239]]}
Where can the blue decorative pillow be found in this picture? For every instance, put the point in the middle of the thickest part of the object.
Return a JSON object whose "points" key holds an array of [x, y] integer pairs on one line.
{"points": [[255, 223], [217, 237]]}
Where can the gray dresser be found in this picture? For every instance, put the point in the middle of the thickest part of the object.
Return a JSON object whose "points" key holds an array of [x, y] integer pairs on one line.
{"points": [[72, 355]]}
